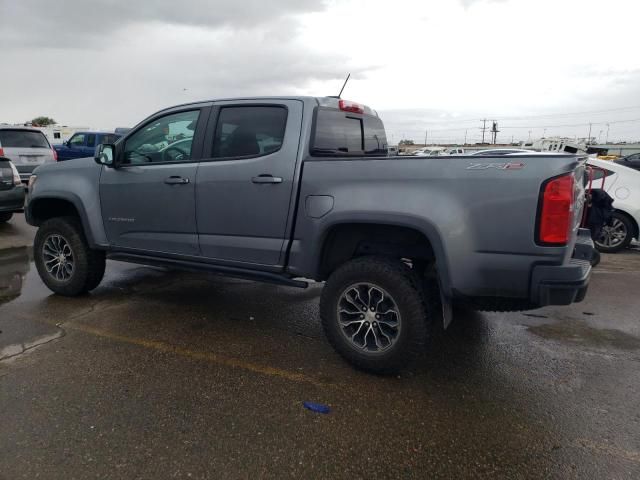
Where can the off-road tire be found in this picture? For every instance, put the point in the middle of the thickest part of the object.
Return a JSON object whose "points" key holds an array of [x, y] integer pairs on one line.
{"points": [[89, 264], [398, 280], [5, 217]]}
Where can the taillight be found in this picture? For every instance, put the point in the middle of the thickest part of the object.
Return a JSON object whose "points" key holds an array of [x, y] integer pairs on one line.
{"points": [[55, 154], [1, 152], [556, 210], [347, 106]]}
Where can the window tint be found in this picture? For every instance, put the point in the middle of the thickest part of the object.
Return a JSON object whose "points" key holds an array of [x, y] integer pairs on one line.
{"points": [[375, 138], [165, 139], [109, 139], [91, 140], [23, 139], [339, 133], [249, 131], [77, 140]]}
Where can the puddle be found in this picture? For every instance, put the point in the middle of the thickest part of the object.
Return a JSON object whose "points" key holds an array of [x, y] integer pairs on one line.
{"points": [[580, 333], [14, 266]]}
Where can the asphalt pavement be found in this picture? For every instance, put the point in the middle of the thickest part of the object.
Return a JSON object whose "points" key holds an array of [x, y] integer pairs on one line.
{"points": [[164, 374]]}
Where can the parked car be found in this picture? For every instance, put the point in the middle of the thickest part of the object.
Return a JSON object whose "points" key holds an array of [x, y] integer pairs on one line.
{"points": [[631, 161], [26, 147], [429, 152], [11, 190], [455, 151], [291, 188], [83, 144], [623, 184], [499, 152], [393, 151]]}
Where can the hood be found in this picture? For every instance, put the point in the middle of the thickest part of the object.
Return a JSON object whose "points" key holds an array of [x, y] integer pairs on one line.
{"points": [[75, 164]]}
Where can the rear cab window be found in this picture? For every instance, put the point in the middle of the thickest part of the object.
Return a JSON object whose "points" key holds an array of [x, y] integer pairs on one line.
{"points": [[23, 139], [339, 133]]}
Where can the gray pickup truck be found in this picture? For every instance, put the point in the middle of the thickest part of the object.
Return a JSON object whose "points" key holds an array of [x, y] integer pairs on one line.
{"points": [[292, 188]]}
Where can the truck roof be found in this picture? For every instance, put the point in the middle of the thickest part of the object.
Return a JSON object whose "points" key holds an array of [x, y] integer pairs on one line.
{"points": [[328, 101]]}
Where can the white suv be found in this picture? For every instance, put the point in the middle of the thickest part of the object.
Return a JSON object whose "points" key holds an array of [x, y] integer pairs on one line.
{"points": [[26, 147]]}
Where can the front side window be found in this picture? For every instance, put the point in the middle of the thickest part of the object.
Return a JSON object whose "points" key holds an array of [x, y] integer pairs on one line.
{"points": [[165, 139], [249, 131], [77, 140]]}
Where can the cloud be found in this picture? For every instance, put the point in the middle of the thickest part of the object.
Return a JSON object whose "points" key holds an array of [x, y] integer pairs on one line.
{"points": [[82, 23]]}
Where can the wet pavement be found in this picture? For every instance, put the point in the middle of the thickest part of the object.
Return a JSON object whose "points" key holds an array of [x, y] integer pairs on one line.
{"points": [[161, 374]]}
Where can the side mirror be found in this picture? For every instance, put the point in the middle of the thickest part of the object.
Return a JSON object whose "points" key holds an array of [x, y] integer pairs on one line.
{"points": [[104, 154]]}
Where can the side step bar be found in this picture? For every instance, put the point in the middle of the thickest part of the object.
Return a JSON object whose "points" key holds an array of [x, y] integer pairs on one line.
{"points": [[236, 272]]}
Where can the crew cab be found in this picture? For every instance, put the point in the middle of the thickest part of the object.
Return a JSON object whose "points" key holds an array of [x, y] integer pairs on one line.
{"points": [[83, 144], [292, 189]]}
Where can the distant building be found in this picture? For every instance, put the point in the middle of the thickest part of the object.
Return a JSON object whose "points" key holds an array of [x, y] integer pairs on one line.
{"points": [[58, 134]]}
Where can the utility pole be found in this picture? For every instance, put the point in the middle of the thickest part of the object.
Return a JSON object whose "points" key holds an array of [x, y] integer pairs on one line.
{"points": [[484, 128], [529, 136], [465, 137], [606, 140], [589, 136], [426, 132], [494, 130]]}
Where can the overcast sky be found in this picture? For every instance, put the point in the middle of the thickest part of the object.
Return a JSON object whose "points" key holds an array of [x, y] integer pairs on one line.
{"points": [[436, 66]]}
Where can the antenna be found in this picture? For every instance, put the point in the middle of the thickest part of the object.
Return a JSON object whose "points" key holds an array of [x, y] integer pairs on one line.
{"points": [[344, 85]]}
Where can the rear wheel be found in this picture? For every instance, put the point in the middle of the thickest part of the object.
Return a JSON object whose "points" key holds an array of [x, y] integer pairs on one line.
{"points": [[617, 236], [374, 314], [5, 217], [64, 260]]}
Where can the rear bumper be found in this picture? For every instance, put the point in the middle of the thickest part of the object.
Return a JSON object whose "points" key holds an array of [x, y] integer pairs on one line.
{"points": [[564, 284], [12, 200]]}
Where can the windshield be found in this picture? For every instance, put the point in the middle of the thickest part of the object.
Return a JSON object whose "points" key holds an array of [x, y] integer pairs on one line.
{"points": [[23, 139]]}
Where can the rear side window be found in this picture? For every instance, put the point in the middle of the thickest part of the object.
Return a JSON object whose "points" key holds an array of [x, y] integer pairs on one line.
{"points": [[340, 133], [249, 131], [23, 139]]}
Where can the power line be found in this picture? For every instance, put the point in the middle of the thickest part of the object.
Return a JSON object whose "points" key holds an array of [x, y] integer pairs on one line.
{"points": [[548, 115], [577, 124]]}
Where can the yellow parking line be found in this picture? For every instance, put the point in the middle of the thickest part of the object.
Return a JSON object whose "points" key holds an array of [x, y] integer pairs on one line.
{"points": [[199, 355]]}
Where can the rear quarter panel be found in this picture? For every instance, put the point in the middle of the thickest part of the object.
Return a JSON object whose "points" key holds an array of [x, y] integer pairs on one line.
{"points": [[480, 222]]}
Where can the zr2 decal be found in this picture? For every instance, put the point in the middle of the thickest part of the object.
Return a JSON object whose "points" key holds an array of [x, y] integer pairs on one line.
{"points": [[497, 166]]}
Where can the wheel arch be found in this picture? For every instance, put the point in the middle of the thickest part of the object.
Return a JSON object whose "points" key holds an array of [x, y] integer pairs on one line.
{"points": [[43, 208], [634, 223], [400, 238]]}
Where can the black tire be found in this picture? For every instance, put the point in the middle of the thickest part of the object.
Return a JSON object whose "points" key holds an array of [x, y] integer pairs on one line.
{"points": [[5, 217], [400, 284], [88, 264], [625, 225]]}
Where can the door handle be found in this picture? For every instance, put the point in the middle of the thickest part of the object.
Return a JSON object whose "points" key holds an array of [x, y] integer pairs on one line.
{"points": [[176, 180], [265, 178]]}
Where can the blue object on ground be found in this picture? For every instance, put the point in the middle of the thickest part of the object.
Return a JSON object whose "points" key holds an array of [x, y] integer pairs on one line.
{"points": [[316, 407]]}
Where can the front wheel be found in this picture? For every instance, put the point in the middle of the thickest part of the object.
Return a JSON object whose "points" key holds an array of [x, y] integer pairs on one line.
{"points": [[63, 258], [617, 236], [374, 314]]}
